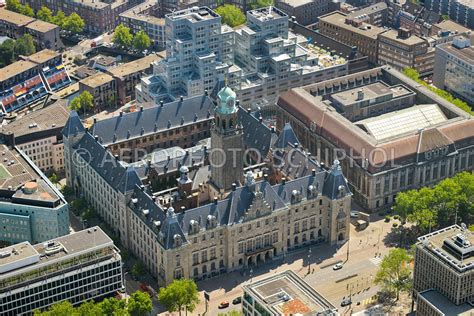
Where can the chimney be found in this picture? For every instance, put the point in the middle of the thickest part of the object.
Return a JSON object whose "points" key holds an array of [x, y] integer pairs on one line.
{"points": [[96, 137], [249, 110], [296, 145], [215, 200], [142, 187], [283, 181], [360, 94], [313, 172], [260, 119], [237, 102], [116, 157], [206, 93]]}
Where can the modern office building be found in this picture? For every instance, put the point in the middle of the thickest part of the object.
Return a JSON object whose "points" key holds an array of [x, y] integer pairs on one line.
{"points": [[444, 271], [31, 207], [284, 294], [395, 134], [353, 32], [78, 267], [460, 11], [454, 68], [15, 25], [229, 229], [38, 135], [400, 49], [259, 60]]}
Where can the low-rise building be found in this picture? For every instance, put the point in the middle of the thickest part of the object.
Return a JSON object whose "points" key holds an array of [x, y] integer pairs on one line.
{"points": [[374, 14], [103, 88], [128, 75], [31, 207], [394, 134], [38, 135], [15, 25], [400, 49], [460, 11], [306, 12], [454, 68], [444, 268], [284, 294], [78, 267], [352, 32]]}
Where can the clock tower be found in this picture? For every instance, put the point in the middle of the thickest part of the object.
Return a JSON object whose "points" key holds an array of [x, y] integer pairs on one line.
{"points": [[227, 148]]}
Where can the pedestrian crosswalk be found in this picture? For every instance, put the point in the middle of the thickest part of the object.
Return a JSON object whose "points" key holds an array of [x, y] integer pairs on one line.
{"points": [[369, 301], [376, 260]]}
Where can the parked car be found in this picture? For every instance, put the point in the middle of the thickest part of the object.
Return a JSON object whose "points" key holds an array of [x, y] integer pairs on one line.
{"points": [[338, 266], [346, 302], [223, 304], [354, 214], [237, 300]]}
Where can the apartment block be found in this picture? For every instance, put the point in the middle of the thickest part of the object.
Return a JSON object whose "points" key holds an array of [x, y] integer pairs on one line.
{"points": [[400, 49], [103, 88], [460, 11], [15, 25], [374, 14], [38, 135], [99, 16], [352, 32], [144, 17], [306, 12], [454, 68], [443, 273], [78, 267]]}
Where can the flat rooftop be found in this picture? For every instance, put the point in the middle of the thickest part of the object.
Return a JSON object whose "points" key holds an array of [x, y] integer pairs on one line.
{"points": [[267, 14], [445, 244], [42, 26], [96, 80], [466, 54], [15, 18], [393, 35], [193, 14], [404, 121], [17, 257], [134, 66], [50, 117], [15, 69], [287, 294], [441, 303], [43, 56], [368, 92], [339, 19]]}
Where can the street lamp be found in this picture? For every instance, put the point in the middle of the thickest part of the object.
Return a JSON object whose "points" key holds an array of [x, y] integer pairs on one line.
{"points": [[309, 262]]}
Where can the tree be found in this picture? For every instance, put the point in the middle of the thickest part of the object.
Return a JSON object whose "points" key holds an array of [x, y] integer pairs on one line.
{"points": [[231, 313], [13, 5], [7, 52], [57, 309], [394, 274], [45, 14], [179, 294], [74, 23], [137, 269], [260, 4], [84, 101], [141, 41], [25, 45], [113, 306], [53, 178], [88, 308], [27, 10], [139, 304], [59, 19], [122, 36], [231, 15]]}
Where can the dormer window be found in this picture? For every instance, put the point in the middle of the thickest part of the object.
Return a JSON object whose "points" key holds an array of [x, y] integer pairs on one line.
{"points": [[342, 191], [295, 196], [193, 227], [211, 222], [177, 240], [312, 191]]}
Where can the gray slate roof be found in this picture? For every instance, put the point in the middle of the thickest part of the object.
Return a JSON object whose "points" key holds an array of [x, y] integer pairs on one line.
{"points": [[256, 135], [154, 119], [73, 125], [287, 136]]}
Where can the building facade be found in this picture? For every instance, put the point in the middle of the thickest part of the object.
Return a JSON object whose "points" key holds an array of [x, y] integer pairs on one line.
{"points": [[232, 229], [454, 68], [103, 89], [306, 12], [76, 268], [444, 265], [461, 11], [339, 118]]}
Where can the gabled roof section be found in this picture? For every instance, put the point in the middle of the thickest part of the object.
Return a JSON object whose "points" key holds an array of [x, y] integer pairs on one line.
{"points": [[431, 139], [335, 183], [154, 119], [287, 136], [73, 125], [294, 162], [169, 229], [257, 135]]}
